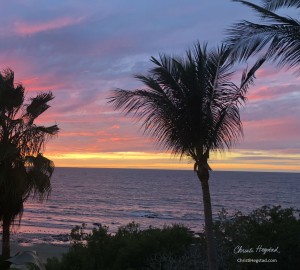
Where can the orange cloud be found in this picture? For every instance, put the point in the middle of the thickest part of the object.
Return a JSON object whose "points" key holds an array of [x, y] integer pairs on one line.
{"points": [[240, 161], [74, 134], [257, 167], [115, 139], [40, 84]]}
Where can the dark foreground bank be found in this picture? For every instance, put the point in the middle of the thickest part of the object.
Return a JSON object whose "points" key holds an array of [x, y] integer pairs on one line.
{"points": [[267, 238]]}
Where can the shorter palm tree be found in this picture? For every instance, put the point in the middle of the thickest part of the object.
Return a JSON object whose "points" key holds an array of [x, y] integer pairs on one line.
{"points": [[190, 107], [24, 171], [278, 37]]}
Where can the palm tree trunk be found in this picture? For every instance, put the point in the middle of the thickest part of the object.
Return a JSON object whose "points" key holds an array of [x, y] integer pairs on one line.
{"points": [[203, 176], [6, 238]]}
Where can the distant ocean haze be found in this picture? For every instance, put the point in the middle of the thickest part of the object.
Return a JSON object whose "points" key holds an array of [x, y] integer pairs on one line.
{"points": [[115, 197]]}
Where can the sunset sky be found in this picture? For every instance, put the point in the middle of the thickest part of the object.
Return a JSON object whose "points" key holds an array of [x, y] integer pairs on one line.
{"points": [[80, 50]]}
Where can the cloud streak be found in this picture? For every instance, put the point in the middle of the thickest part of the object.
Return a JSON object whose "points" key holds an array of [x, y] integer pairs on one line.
{"points": [[81, 50], [24, 28]]}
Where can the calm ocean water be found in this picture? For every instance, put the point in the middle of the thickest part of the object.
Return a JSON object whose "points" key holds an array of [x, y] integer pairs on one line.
{"points": [[116, 197]]}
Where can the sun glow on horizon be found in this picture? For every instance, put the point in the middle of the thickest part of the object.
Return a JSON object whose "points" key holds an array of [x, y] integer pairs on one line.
{"points": [[233, 161], [65, 49]]}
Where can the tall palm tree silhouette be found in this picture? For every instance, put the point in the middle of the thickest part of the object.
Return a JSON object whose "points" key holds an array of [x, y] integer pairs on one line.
{"points": [[190, 106], [277, 36], [24, 171]]}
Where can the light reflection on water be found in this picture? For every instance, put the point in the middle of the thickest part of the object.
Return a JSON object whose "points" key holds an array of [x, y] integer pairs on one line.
{"points": [[116, 197]]}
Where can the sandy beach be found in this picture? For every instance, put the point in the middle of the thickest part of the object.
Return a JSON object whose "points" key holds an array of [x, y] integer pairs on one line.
{"points": [[44, 251]]}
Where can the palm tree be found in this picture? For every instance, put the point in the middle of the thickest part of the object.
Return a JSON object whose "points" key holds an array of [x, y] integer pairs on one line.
{"points": [[24, 171], [191, 108], [277, 36]]}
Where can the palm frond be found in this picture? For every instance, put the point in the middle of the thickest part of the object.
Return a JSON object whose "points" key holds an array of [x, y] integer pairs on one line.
{"points": [[278, 37], [247, 38], [8, 77], [8, 151], [248, 77], [11, 96], [39, 172], [190, 106], [21, 176], [276, 4], [38, 105], [268, 15]]}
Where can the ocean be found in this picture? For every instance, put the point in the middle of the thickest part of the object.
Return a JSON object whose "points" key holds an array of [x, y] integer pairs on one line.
{"points": [[115, 197]]}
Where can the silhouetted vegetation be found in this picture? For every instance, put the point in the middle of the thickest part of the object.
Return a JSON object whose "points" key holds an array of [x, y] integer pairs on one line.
{"points": [[24, 171], [190, 106], [177, 248], [266, 227], [129, 248], [276, 36]]}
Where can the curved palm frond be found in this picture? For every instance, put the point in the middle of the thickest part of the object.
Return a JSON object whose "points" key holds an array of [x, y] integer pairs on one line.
{"points": [[11, 96], [278, 37], [268, 15], [39, 172], [37, 106], [32, 139], [190, 105], [276, 4], [20, 175]]}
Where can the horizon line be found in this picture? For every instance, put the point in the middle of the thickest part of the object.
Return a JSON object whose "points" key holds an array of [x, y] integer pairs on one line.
{"points": [[174, 169]]}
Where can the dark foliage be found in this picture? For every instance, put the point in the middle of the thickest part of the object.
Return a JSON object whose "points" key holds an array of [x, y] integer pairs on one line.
{"points": [[266, 227], [129, 248], [176, 248], [24, 171]]}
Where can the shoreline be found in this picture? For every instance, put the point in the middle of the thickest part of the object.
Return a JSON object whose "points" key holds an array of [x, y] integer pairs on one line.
{"points": [[47, 244], [44, 250]]}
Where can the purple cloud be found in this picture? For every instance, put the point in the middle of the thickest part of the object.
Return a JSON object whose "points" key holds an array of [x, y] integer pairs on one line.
{"points": [[83, 49]]}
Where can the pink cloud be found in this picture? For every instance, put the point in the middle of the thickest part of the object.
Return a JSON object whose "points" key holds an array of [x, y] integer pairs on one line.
{"points": [[279, 133], [24, 28], [115, 127], [95, 144], [41, 83], [116, 139], [29, 76], [266, 72], [264, 92], [78, 134]]}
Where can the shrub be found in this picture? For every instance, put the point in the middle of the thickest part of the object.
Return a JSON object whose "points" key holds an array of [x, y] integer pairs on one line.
{"points": [[265, 227], [177, 248], [129, 248]]}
